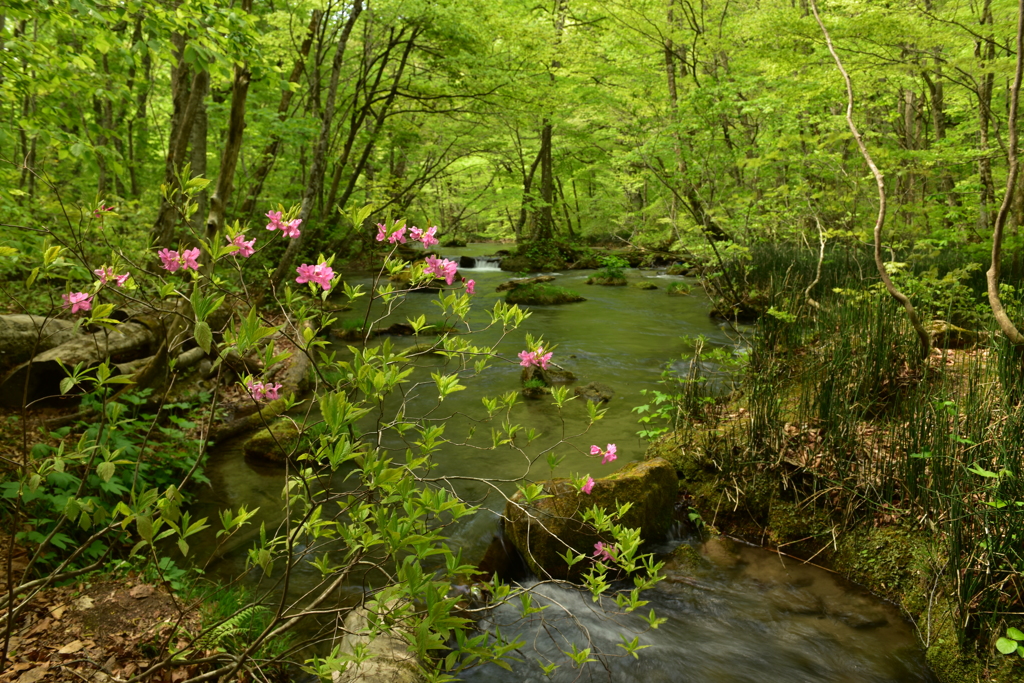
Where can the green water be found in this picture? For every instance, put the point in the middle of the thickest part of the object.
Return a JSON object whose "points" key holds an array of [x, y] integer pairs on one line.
{"points": [[622, 337]]}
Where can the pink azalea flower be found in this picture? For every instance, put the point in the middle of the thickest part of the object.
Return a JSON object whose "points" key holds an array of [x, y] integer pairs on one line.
{"points": [[604, 552], [526, 360], [471, 285], [107, 273], [382, 232], [291, 229], [321, 274], [171, 259], [589, 486], [415, 233], [608, 455], [543, 358], [255, 389], [275, 220], [398, 236], [188, 258], [428, 237], [270, 391], [77, 301], [245, 249], [441, 268]]}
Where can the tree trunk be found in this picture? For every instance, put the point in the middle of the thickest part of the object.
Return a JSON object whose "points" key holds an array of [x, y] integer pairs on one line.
{"points": [[200, 136], [232, 148], [985, 50], [40, 377], [270, 152], [315, 182], [185, 98]]}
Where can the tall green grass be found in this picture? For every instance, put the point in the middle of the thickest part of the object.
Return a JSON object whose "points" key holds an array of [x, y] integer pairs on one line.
{"points": [[839, 389]]}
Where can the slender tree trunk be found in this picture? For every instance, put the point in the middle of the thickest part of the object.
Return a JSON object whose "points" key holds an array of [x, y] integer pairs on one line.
{"points": [[1002, 318], [378, 125], [232, 148], [270, 152], [922, 334], [985, 50], [315, 182], [525, 205], [185, 102], [200, 137]]}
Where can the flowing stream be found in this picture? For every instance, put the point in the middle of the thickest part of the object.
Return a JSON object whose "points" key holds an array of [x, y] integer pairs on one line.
{"points": [[739, 614]]}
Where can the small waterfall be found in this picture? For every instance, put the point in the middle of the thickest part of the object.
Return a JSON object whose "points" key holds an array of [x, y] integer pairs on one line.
{"points": [[492, 263]]}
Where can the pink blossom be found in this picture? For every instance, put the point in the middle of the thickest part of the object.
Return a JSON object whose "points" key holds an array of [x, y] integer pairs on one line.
{"points": [[588, 486], [291, 229], [382, 232], [543, 358], [526, 360], [441, 268], [604, 552], [270, 391], [275, 220], [608, 455], [245, 249], [321, 274], [415, 233], [77, 301], [171, 259], [188, 258], [398, 236], [470, 286], [107, 273], [538, 358], [428, 237], [102, 209]]}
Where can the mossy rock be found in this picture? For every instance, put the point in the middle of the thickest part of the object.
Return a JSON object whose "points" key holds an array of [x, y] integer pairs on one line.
{"points": [[542, 295], [520, 282], [542, 530], [454, 242], [948, 336], [607, 281], [553, 375], [679, 269], [644, 285], [273, 444], [595, 392], [548, 255]]}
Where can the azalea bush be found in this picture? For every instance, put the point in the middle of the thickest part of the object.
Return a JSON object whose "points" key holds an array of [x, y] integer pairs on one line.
{"points": [[363, 504]]}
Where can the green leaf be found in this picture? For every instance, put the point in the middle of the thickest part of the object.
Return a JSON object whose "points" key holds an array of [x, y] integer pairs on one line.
{"points": [[105, 470], [1006, 646], [66, 384], [1014, 633], [204, 336]]}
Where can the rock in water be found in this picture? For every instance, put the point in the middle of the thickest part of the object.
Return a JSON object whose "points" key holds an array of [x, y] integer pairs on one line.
{"points": [[273, 444], [542, 530], [512, 284], [391, 659], [595, 392]]}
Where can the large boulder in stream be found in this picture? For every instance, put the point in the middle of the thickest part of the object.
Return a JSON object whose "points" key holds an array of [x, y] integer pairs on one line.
{"points": [[543, 530], [391, 658], [595, 392], [542, 295], [274, 443], [512, 284]]}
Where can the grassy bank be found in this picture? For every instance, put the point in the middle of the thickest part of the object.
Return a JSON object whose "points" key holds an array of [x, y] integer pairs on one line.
{"points": [[843, 445]]}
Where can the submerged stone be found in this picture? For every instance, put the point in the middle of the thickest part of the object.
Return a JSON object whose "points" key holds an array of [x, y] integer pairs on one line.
{"points": [[595, 392], [543, 530], [273, 444]]}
